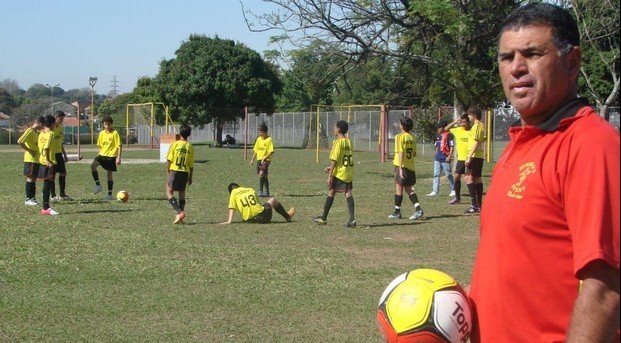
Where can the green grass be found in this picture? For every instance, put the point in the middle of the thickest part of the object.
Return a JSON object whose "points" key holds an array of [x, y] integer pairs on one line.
{"points": [[113, 272]]}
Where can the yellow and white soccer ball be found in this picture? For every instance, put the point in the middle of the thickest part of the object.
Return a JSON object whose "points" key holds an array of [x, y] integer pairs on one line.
{"points": [[122, 196], [424, 306]]}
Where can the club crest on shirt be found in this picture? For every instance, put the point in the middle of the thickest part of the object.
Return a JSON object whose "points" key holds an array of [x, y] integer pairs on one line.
{"points": [[518, 188]]}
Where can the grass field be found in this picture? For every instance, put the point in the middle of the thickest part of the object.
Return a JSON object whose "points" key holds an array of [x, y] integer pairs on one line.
{"points": [[114, 272]]}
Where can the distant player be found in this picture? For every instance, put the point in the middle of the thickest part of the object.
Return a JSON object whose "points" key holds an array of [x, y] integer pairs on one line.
{"points": [[263, 151], [340, 174], [58, 149], [180, 158], [47, 160], [474, 160], [405, 175], [29, 142], [110, 149], [461, 146], [246, 201]]}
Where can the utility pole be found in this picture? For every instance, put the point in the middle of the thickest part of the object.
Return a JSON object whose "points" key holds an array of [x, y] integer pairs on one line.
{"points": [[114, 87]]}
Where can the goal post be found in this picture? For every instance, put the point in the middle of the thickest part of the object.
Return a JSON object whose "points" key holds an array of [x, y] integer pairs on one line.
{"points": [[135, 115]]}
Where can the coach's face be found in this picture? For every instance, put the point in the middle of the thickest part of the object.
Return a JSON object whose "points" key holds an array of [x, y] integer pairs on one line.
{"points": [[536, 80]]}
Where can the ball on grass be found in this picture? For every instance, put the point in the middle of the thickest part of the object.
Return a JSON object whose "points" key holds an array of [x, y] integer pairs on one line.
{"points": [[122, 196]]}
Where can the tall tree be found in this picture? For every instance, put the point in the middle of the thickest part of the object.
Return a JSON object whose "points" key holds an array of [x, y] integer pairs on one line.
{"points": [[7, 102], [213, 79], [450, 41]]}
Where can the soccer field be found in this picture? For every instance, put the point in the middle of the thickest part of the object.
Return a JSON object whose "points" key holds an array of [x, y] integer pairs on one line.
{"points": [[122, 272]]}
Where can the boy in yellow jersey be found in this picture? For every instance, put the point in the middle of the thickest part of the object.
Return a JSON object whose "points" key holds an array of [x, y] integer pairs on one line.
{"points": [[47, 160], [110, 149], [263, 151], [461, 146], [29, 142], [246, 201], [180, 167], [58, 149], [474, 160], [340, 174], [405, 175]]}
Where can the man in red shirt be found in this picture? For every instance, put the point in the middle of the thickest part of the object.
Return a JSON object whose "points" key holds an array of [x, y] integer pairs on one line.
{"points": [[547, 266]]}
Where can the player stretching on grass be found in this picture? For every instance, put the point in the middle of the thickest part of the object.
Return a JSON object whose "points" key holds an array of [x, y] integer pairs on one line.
{"points": [[28, 141], [340, 174], [405, 176], [246, 201], [180, 158], [109, 156], [263, 151]]}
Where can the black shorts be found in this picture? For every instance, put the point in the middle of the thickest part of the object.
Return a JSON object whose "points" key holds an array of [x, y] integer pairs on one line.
{"points": [[263, 217], [263, 166], [31, 169], [59, 167], [339, 185], [460, 167], [46, 173], [409, 177], [177, 181], [475, 168], [107, 163]]}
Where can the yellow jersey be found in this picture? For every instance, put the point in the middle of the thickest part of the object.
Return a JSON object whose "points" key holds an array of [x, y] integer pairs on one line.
{"points": [[246, 201], [263, 147], [476, 134], [405, 143], [30, 139], [181, 156], [342, 154], [108, 143], [57, 142], [461, 142], [45, 143]]}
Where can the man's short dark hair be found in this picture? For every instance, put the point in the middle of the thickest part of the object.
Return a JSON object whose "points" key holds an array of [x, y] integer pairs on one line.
{"points": [[232, 186], [565, 32], [464, 116], [185, 131], [48, 120], [475, 111], [59, 113], [342, 126], [107, 119], [407, 123], [263, 128]]}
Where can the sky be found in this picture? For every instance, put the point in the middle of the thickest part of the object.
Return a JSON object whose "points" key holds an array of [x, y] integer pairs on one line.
{"points": [[67, 41]]}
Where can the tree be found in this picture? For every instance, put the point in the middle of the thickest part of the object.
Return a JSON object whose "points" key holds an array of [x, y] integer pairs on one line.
{"points": [[450, 41], [7, 102], [213, 79]]}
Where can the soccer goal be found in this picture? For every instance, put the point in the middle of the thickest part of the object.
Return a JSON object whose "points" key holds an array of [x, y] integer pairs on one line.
{"points": [[140, 123]]}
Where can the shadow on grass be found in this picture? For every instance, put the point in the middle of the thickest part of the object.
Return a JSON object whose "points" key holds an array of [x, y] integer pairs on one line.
{"points": [[104, 211]]}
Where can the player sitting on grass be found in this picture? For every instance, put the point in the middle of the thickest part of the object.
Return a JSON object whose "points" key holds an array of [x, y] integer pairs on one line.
{"points": [[109, 156], [28, 142], [180, 168], [246, 201]]}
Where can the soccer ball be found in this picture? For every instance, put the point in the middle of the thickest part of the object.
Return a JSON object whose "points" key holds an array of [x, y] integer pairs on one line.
{"points": [[424, 306], [122, 196]]}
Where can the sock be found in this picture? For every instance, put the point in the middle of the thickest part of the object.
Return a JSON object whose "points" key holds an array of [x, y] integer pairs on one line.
{"points": [[479, 187], [110, 186], [31, 190], [47, 186], [53, 189], [350, 208], [413, 198], [457, 189], [326, 207], [473, 194], [281, 211], [266, 182], [62, 182], [95, 177], [261, 182], [398, 201], [175, 205], [182, 204]]}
